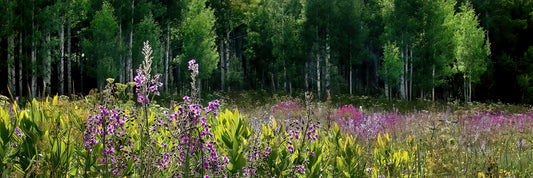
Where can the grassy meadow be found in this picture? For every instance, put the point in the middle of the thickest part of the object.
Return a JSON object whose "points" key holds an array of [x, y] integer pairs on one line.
{"points": [[243, 135]]}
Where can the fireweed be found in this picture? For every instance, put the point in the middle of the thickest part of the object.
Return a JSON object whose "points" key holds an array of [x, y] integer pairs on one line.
{"points": [[146, 84], [366, 126], [299, 136], [192, 149], [105, 130]]}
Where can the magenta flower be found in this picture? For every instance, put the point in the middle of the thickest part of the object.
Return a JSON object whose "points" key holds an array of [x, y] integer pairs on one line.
{"points": [[290, 148]]}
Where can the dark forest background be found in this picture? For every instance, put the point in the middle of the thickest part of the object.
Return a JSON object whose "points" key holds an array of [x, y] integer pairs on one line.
{"points": [[407, 49]]}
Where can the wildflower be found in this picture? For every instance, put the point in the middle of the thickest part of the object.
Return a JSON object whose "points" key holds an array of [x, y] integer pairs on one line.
{"points": [[301, 169], [267, 151], [193, 66], [290, 148], [483, 145], [369, 169], [18, 133]]}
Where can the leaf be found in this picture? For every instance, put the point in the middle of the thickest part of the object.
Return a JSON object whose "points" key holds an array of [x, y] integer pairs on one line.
{"points": [[55, 100]]}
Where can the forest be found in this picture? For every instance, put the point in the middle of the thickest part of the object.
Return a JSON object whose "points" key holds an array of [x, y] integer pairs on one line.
{"points": [[442, 50], [266, 88]]}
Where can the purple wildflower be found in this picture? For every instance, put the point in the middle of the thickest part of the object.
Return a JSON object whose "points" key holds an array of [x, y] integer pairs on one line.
{"points": [[290, 148], [301, 169]]}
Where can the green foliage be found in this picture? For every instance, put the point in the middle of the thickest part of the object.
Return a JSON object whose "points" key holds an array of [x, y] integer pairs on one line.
{"points": [[103, 36], [525, 81], [472, 48], [232, 130], [197, 32], [148, 30], [392, 65], [346, 154]]}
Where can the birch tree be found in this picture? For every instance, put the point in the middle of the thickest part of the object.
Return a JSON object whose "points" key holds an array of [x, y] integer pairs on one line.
{"points": [[472, 48], [199, 38]]}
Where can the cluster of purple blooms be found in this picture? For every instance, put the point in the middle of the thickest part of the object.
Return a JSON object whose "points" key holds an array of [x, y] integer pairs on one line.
{"points": [[291, 107], [490, 122], [146, 85], [107, 128], [366, 125], [144, 82], [193, 66], [349, 113], [193, 135]]}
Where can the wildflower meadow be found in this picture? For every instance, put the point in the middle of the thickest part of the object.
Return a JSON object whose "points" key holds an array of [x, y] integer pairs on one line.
{"points": [[126, 131]]}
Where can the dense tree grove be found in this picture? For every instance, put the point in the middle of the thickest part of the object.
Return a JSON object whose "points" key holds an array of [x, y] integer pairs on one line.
{"points": [[405, 49]]}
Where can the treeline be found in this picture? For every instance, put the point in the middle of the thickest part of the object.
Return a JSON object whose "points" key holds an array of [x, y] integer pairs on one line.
{"points": [[405, 49]]}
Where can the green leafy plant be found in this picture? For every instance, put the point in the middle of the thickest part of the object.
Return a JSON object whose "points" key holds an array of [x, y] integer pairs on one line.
{"points": [[233, 130]]}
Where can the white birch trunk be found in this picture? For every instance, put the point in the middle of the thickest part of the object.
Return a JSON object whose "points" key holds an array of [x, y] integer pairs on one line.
{"points": [[61, 65], [20, 66], [469, 90], [411, 76], [11, 64], [306, 78], [33, 57], [170, 69], [318, 73], [282, 47], [351, 78], [433, 86], [272, 79], [129, 60], [167, 49], [222, 65], [122, 71], [227, 60], [402, 78], [328, 65], [387, 90], [69, 59], [47, 68]]}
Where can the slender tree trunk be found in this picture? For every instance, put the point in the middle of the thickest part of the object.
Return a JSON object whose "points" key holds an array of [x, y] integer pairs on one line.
{"points": [[227, 60], [402, 78], [61, 66], [20, 61], [33, 56], [284, 76], [290, 88], [328, 65], [170, 69], [69, 59], [167, 49], [351, 77], [318, 73], [11, 81], [122, 71], [283, 46], [222, 65], [48, 68], [306, 78], [411, 76], [273, 81], [129, 62], [433, 86], [387, 90], [465, 88], [469, 90]]}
